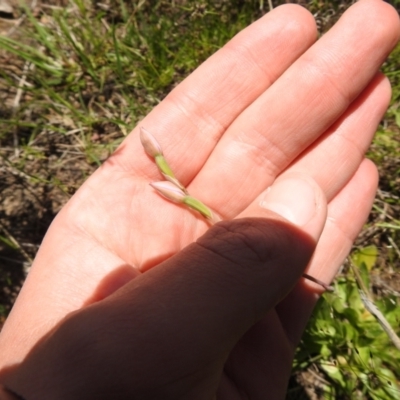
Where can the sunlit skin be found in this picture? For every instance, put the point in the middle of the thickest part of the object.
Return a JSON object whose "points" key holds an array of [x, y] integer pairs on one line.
{"points": [[131, 296]]}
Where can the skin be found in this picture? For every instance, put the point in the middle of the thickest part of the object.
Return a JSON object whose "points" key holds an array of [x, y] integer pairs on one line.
{"points": [[131, 296]]}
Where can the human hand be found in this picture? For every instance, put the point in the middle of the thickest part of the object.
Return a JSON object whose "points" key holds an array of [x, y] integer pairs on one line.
{"points": [[270, 104]]}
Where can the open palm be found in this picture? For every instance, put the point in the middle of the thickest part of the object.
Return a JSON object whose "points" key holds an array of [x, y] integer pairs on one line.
{"points": [[271, 103]]}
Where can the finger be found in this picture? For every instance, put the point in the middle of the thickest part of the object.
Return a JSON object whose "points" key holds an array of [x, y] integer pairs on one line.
{"points": [[260, 363], [296, 198], [298, 108], [192, 307], [7, 395], [334, 159], [192, 118], [347, 213], [259, 345]]}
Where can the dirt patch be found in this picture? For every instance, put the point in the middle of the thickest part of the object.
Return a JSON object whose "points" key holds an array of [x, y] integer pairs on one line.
{"points": [[29, 194]]}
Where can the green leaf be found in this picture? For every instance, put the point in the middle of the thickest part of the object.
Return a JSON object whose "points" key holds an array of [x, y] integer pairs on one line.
{"points": [[366, 255], [334, 373]]}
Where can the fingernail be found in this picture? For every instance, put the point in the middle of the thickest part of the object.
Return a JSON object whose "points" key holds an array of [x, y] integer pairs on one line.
{"points": [[295, 199]]}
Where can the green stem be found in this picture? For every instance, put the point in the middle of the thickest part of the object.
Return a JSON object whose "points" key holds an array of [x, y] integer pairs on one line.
{"points": [[198, 206], [163, 165]]}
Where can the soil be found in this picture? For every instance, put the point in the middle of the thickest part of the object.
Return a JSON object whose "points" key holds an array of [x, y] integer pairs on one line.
{"points": [[27, 207]]}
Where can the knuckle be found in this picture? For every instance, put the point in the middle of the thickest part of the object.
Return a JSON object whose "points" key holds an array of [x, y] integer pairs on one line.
{"points": [[243, 241]]}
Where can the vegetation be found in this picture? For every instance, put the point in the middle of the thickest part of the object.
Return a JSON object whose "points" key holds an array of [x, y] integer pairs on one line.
{"points": [[75, 79]]}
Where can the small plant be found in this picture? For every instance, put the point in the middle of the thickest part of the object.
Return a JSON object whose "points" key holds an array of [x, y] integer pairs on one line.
{"points": [[347, 345]]}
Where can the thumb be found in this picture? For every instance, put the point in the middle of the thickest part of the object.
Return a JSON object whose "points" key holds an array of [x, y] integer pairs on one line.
{"points": [[7, 395], [172, 328], [234, 274]]}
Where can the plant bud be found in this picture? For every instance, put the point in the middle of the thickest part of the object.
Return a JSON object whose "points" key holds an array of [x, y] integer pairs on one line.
{"points": [[169, 191], [149, 143]]}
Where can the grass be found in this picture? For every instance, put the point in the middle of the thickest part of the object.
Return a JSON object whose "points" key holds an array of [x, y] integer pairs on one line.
{"points": [[76, 79]]}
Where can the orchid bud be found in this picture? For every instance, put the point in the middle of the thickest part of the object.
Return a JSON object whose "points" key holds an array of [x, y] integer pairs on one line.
{"points": [[170, 191], [150, 144], [153, 149]]}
